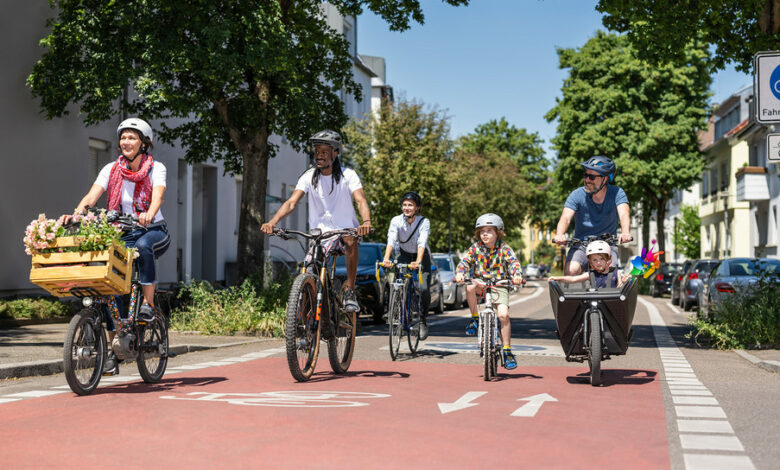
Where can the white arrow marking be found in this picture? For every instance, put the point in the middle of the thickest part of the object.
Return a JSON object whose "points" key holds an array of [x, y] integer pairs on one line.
{"points": [[460, 403], [535, 402]]}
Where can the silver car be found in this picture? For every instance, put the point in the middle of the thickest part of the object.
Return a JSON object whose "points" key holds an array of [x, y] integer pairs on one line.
{"points": [[531, 271], [693, 280], [454, 294], [733, 276]]}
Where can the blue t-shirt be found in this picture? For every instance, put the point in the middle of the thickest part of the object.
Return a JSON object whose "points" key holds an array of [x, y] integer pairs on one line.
{"points": [[594, 219]]}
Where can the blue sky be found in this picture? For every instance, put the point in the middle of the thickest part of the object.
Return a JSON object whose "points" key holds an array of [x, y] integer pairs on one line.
{"points": [[492, 58]]}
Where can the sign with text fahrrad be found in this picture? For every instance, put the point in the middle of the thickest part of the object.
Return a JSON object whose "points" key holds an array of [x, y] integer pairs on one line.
{"points": [[766, 86]]}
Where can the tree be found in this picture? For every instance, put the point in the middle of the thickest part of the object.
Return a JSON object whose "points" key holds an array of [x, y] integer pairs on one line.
{"points": [[662, 29], [645, 117], [235, 72], [687, 232]]}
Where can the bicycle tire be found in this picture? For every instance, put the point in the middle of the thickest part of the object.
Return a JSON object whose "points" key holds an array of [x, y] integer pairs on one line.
{"points": [[153, 348], [84, 351], [487, 353], [342, 346], [395, 327], [594, 351], [413, 335], [302, 337], [498, 347]]}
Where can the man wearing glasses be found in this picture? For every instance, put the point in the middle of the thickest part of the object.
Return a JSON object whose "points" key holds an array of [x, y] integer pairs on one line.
{"points": [[596, 208]]}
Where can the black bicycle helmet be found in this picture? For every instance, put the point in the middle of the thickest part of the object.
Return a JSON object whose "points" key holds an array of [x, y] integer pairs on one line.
{"points": [[327, 137], [601, 165], [412, 196]]}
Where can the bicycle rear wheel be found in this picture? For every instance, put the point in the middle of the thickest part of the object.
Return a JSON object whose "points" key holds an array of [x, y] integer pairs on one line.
{"points": [[153, 348], [84, 351], [302, 331], [594, 351], [487, 346], [395, 327], [342, 346]]}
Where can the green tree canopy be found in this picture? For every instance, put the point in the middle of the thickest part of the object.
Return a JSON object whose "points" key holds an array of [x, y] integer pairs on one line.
{"points": [[642, 116], [223, 75], [687, 232], [662, 29]]}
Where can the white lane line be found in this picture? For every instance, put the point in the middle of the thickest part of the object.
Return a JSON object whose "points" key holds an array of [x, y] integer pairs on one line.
{"points": [[34, 394], [694, 400], [706, 442], [674, 309], [192, 367], [705, 392], [692, 411], [538, 292], [717, 462], [8, 400], [704, 426]]}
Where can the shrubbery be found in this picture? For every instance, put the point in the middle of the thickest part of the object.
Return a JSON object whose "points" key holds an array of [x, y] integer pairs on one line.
{"points": [[35, 309], [750, 319]]}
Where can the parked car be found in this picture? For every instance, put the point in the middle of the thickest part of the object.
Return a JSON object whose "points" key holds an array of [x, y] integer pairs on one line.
{"points": [[692, 281], [531, 271], [454, 294], [662, 280], [677, 282], [732, 276], [372, 295]]}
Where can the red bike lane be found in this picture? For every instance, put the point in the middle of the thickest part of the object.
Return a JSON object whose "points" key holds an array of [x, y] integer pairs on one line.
{"points": [[380, 415]]}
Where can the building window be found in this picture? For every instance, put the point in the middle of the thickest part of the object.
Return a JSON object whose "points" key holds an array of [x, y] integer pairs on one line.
{"points": [[714, 181], [724, 176], [705, 186], [727, 122]]}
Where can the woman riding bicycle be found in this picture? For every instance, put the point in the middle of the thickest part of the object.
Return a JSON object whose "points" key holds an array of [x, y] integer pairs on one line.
{"points": [[408, 234], [490, 255], [135, 185]]}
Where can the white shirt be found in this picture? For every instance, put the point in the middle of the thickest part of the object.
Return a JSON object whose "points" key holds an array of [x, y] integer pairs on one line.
{"points": [[330, 205], [156, 173], [416, 237]]}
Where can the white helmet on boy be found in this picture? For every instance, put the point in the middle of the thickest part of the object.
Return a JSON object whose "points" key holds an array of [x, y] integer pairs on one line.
{"points": [[489, 220], [598, 247]]}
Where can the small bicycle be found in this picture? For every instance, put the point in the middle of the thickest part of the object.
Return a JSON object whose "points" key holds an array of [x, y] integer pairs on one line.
{"points": [[85, 345], [403, 316], [315, 309], [489, 330]]}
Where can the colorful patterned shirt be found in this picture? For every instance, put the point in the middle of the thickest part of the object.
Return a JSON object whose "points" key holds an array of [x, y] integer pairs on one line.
{"points": [[495, 262]]}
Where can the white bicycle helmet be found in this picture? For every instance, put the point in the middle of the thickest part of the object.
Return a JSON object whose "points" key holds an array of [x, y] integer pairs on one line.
{"points": [[136, 124], [489, 220], [598, 247]]}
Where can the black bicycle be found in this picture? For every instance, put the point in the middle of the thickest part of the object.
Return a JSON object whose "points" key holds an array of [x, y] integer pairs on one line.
{"points": [[315, 308], [403, 316], [85, 348]]}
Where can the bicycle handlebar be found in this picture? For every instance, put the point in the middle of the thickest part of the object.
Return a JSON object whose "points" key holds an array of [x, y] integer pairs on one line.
{"points": [[315, 234], [607, 237], [401, 266]]}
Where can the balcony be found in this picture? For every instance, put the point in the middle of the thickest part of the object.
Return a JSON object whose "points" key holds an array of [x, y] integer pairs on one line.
{"points": [[752, 184]]}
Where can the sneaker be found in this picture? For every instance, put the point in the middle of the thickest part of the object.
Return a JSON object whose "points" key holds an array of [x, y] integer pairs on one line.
{"points": [[111, 364], [350, 301], [471, 330], [146, 313], [509, 360], [424, 329]]}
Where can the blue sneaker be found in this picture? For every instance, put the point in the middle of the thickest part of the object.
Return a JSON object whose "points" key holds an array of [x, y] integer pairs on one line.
{"points": [[471, 330], [509, 359]]}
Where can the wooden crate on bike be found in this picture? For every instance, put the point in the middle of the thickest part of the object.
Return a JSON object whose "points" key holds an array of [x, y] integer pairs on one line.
{"points": [[106, 272]]}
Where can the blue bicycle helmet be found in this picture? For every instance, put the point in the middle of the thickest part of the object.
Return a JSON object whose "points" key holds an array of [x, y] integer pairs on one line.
{"points": [[601, 165]]}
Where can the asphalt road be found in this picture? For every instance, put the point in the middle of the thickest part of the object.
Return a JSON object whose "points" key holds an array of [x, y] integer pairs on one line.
{"points": [[665, 404]]}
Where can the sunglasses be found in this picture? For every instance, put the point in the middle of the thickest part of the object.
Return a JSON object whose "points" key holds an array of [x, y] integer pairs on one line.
{"points": [[590, 177]]}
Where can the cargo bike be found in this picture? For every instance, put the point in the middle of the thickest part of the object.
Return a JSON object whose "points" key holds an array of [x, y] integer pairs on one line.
{"points": [[594, 324]]}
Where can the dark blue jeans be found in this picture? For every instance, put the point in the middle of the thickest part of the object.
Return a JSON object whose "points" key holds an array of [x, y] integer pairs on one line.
{"points": [[151, 242]]}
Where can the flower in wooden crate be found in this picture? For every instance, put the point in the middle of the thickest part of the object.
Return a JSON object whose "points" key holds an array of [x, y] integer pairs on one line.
{"points": [[40, 233]]}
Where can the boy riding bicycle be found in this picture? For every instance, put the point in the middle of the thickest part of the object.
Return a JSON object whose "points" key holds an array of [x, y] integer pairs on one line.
{"points": [[490, 255]]}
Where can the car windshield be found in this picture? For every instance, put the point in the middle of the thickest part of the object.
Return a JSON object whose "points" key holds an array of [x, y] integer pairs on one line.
{"points": [[671, 268], [705, 267], [443, 263], [753, 267], [366, 256]]}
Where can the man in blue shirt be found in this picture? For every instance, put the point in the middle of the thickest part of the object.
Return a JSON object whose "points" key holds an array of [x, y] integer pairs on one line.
{"points": [[596, 208]]}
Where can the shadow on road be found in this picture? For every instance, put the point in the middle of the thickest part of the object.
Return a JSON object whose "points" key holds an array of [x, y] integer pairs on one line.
{"points": [[161, 386], [611, 377], [326, 376]]}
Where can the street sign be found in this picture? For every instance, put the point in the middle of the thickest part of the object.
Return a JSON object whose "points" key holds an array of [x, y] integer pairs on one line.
{"points": [[766, 86], [773, 147]]}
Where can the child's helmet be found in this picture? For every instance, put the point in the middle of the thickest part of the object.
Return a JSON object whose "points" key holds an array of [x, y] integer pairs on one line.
{"points": [[598, 247], [489, 220]]}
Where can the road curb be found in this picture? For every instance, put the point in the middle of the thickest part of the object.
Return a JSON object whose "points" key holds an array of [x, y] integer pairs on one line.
{"points": [[771, 366], [36, 368]]}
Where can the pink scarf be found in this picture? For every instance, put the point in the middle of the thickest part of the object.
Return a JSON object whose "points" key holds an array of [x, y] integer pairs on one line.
{"points": [[142, 196]]}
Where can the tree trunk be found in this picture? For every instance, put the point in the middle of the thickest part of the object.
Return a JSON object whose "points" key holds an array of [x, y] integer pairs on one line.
{"points": [[661, 213], [646, 211], [251, 254]]}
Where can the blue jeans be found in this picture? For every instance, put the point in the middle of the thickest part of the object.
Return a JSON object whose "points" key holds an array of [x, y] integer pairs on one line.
{"points": [[151, 242]]}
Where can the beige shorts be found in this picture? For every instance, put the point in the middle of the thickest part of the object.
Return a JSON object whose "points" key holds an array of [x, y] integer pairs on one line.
{"points": [[499, 295]]}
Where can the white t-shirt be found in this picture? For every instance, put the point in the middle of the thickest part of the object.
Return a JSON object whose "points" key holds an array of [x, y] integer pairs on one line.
{"points": [[157, 174], [330, 206]]}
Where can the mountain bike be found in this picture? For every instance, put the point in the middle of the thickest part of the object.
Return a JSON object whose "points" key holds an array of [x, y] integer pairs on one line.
{"points": [[85, 347], [489, 330], [315, 308], [403, 316]]}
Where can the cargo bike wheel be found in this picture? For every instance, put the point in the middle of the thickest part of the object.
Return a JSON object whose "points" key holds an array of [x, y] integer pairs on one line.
{"points": [[302, 330], [594, 348], [84, 351]]}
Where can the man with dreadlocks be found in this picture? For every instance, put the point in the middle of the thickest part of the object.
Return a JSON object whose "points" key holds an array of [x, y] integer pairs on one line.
{"points": [[331, 189]]}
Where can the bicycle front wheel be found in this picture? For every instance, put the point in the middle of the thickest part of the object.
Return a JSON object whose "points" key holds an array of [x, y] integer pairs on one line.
{"points": [[395, 327], [413, 334], [594, 350], [302, 331], [153, 348], [84, 351], [342, 346], [487, 345]]}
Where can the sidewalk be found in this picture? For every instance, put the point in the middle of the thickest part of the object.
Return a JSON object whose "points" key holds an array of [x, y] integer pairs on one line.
{"points": [[768, 359], [37, 349]]}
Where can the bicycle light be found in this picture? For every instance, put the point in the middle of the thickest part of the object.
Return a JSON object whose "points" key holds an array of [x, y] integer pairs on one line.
{"points": [[594, 304], [86, 301], [561, 298]]}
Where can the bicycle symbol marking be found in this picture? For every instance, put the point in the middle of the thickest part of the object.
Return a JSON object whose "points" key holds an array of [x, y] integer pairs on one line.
{"points": [[774, 82], [288, 399]]}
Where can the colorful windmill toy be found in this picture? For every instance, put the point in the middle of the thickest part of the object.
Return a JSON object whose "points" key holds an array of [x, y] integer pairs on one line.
{"points": [[647, 263]]}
